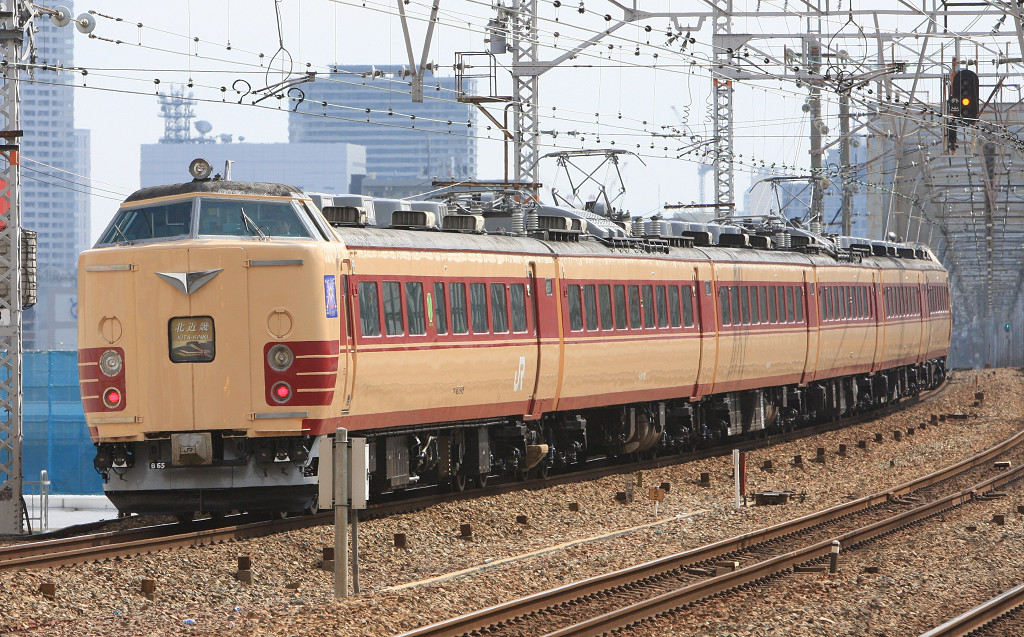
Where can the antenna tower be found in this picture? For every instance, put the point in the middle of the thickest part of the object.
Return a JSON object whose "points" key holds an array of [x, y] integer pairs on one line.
{"points": [[176, 111]]}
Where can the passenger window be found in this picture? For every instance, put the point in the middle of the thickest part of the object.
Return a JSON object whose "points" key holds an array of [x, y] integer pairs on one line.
{"points": [[440, 309], [673, 305], [392, 292], [723, 301], [772, 315], [798, 295], [755, 314], [607, 319], [823, 302], [634, 307], [789, 304], [620, 307], [662, 306], [457, 292], [590, 306], [369, 312], [745, 304], [734, 296], [575, 309], [687, 306], [478, 307], [764, 304], [518, 293], [648, 306], [781, 291], [414, 308], [842, 301], [499, 308]]}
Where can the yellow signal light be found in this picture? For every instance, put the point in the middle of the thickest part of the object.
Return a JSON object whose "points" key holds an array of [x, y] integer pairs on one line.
{"points": [[966, 101]]}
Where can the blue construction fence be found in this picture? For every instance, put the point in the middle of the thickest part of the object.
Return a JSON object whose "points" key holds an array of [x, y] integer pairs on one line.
{"points": [[55, 434]]}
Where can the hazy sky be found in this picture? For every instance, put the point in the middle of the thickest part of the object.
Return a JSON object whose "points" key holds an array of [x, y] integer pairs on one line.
{"points": [[634, 88]]}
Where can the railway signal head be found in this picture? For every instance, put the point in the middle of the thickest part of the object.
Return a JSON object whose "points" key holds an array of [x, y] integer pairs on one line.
{"points": [[963, 95]]}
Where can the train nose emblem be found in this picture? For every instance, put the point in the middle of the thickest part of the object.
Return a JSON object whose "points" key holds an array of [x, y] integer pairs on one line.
{"points": [[189, 282]]}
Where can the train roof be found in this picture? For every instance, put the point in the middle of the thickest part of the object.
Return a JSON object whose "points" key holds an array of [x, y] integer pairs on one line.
{"points": [[426, 240], [216, 186]]}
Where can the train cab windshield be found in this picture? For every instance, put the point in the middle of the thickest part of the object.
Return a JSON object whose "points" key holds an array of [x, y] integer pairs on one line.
{"points": [[210, 217]]}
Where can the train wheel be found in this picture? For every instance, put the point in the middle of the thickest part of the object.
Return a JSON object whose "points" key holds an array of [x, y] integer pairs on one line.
{"points": [[481, 480], [458, 482], [185, 518]]}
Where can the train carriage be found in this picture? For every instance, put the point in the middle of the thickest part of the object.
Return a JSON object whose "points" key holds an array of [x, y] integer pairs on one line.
{"points": [[226, 329]]}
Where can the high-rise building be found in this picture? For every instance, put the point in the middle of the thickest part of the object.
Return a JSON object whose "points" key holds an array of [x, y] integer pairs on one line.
{"points": [[861, 216], [370, 106], [54, 201]]}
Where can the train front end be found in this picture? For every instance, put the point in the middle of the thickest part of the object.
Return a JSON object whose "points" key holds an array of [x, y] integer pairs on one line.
{"points": [[208, 342]]}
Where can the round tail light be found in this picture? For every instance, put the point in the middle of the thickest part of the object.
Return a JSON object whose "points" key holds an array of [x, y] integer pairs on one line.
{"points": [[281, 392], [112, 397]]}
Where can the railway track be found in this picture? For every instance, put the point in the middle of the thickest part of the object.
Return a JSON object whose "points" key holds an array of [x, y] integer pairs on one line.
{"points": [[623, 598], [98, 546], [1001, 615]]}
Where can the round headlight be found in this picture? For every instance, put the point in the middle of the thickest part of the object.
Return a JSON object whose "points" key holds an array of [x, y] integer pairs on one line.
{"points": [[111, 363], [280, 358]]}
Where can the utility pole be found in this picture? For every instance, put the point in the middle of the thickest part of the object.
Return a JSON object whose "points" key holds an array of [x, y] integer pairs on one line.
{"points": [[844, 159], [16, 22], [12, 34], [813, 49]]}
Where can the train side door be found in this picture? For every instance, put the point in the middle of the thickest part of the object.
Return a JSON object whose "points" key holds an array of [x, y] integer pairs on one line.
{"points": [[878, 306], [810, 301], [348, 326], [705, 312], [532, 380]]}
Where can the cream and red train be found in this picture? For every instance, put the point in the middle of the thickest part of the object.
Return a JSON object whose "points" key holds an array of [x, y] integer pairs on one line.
{"points": [[226, 329]]}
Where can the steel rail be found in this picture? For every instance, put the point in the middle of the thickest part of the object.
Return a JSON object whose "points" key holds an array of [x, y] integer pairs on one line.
{"points": [[516, 608], [778, 565], [980, 615], [144, 540]]}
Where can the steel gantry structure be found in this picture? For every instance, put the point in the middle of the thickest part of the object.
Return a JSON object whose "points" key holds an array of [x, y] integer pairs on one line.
{"points": [[889, 83]]}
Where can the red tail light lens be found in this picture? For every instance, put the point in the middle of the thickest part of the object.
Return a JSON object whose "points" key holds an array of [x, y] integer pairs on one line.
{"points": [[281, 392], [112, 398]]}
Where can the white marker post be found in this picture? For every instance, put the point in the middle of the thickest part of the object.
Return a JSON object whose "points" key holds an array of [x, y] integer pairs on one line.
{"points": [[341, 480], [736, 475]]}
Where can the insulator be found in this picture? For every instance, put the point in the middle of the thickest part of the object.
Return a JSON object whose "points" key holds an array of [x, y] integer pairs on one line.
{"points": [[519, 222]]}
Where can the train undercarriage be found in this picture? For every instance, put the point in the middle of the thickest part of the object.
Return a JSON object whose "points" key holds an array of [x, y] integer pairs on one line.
{"points": [[217, 474], [463, 454]]}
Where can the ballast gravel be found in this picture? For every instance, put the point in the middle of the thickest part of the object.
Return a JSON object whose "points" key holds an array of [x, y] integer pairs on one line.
{"points": [[440, 574]]}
